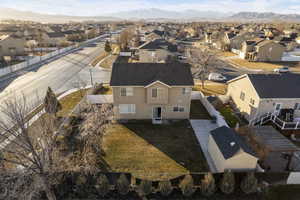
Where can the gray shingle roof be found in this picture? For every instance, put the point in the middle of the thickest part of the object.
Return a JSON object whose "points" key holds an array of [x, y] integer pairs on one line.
{"points": [[276, 85], [224, 137], [143, 74]]}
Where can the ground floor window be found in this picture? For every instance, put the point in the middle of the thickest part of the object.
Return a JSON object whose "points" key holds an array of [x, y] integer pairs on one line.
{"points": [[178, 109], [127, 108]]}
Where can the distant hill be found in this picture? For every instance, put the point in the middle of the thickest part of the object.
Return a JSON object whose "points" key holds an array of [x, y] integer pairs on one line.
{"points": [[152, 14], [8, 13], [264, 16]]}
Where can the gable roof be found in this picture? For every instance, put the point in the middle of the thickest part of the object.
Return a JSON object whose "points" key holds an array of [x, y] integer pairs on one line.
{"points": [[160, 44], [229, 142], [143, 74], [276, 85]]}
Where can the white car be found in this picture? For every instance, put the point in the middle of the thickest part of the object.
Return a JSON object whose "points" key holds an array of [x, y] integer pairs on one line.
{"points": [[282, 70], [216, 77]]}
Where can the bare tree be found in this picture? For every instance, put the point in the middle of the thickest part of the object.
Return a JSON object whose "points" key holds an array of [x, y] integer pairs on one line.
{"points": [[202, 60], [125, 37], [52, 105], [31, 146]]}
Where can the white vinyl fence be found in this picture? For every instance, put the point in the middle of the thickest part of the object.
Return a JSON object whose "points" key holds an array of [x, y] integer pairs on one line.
{"points": [[13, 68], [212, 111]]}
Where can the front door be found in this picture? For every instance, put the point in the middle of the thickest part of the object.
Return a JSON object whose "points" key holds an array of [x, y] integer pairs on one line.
{"points": [[157, 113]]}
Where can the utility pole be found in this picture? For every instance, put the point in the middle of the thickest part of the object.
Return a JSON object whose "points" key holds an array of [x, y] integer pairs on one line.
{"points": [[91, 75]]}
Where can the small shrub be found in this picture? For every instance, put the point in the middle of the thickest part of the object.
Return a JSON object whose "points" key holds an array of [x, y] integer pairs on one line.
{"points": [[249, 183], [187, 186], [123, 185], [145, 188], [208, 185], [102, 185], [227, 183], [165, 188]]}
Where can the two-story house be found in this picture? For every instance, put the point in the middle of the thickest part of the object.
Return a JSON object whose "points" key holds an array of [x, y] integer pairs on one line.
{"points": [[255, 95], [156, 91]]}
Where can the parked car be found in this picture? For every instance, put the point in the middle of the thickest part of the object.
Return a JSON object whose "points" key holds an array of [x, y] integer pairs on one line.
{"points": [[216, 77], [282, 70], [181, 57]]}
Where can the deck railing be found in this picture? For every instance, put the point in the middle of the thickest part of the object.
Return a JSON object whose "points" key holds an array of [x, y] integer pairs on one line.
{"points": [[271, 117]]}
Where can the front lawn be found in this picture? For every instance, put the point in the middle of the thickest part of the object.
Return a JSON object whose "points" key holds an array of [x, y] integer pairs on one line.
{"points": [[153, 152], [255, 65], [211, 88]]}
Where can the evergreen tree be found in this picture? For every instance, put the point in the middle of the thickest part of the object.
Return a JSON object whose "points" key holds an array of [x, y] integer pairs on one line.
{"points": [[145, 188], [227, 182], [102, 185], [165, 188], [208, 186], [123, 185], [107, 47], [51, 103], [249, 183], [187, 186]]}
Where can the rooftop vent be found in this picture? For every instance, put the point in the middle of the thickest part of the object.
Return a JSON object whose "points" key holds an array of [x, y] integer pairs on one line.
{"points": [[232, 144]]}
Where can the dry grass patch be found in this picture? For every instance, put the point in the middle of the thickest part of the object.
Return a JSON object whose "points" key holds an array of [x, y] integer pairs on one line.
{"points": [[212, 89], [226, 54], [108, 62], [70, 101], [255, 65], [154, 152]]}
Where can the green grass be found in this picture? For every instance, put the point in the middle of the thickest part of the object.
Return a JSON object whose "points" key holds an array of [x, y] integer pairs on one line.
{"points": [[198, 111], [154, 152], [230, 118], [279, 192]]}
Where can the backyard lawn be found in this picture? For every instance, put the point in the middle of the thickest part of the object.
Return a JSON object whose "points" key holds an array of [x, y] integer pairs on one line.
{"points": [[153, 152], [228, 115]]}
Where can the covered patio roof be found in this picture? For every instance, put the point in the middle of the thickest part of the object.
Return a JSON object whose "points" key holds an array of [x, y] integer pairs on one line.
{"points": [[272, 139]]}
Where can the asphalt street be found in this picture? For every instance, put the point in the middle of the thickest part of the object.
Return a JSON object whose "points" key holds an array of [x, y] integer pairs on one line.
{"points": [[64, 73]]}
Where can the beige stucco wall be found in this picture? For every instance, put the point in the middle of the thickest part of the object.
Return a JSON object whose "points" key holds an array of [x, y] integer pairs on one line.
{"points": [[234, 91], [144, 110], [162, 94], [241, 162], [265, 54], [261, 106], [12, 46], [216, 154]]}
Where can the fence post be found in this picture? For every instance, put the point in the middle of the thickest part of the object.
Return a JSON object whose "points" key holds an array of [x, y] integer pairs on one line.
{"points": [[297, 125]]}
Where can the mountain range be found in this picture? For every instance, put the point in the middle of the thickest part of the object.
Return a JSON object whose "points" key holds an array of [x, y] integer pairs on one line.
{"points": [[149, 14]]}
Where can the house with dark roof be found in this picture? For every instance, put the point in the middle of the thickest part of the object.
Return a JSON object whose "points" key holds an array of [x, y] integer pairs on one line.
{"points": [[158, 50], [255, 95], [157, 91], [229, 151]]}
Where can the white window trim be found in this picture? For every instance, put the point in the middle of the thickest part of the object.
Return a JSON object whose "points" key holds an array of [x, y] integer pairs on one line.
{"points": [[127, 93], [157, 89], [186, 91], [178, 111], [131, 109]]}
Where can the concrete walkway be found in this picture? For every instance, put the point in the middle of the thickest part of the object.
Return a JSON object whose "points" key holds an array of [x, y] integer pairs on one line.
{"points": [[202, 129]]}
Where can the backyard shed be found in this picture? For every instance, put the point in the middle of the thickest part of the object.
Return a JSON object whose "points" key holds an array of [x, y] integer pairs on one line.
{"points": [[229, 151]]}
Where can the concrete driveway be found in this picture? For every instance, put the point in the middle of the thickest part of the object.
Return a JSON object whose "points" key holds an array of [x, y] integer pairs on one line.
{"points": [[202, 129]]}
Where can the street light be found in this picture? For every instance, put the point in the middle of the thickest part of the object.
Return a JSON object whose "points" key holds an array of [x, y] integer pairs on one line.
{"points": [[91, 75]]}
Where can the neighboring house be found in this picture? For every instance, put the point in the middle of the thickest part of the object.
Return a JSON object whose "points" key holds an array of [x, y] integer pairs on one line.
{"points": [[262, 50], [229, 151], [255, 95], [11, 46], [156, 91], [53, 39], [158, 50]]}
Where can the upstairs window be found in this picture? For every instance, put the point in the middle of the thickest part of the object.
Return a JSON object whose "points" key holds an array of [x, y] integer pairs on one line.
{"points": [[178, 109], [154, 92], [126, 92], [297, 106], [186, 91]]}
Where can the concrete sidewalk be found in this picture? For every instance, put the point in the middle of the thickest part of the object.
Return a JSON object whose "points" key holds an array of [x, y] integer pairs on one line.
{"points": [[202, 130]]}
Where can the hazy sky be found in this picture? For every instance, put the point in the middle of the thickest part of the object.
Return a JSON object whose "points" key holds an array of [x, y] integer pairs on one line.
{"points": [[102, 7]]}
